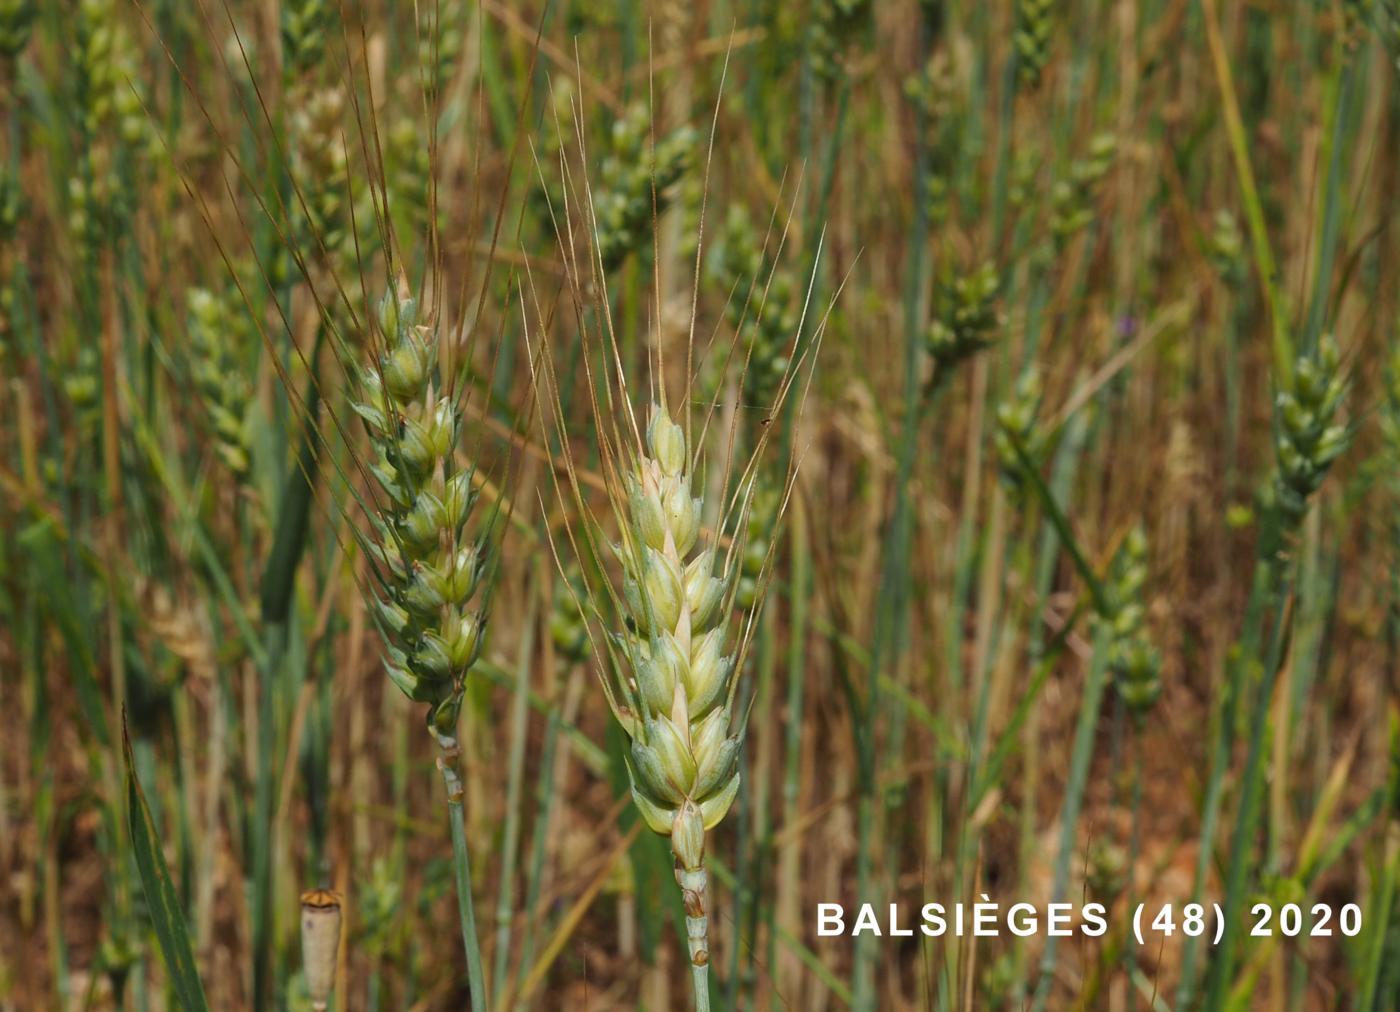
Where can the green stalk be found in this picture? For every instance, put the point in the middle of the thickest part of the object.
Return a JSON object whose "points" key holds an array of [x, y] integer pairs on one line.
{"points": [[700, 976], [789, 871], [278, 584], [275, 644], [1219, 765], [1074, 796], [545, 793], [793, 944], [1340, 91], [1249, 192], [1005, 120], [1048, 552], [1126, 958], [1242, 842], [1380, 913], [461, 866], [892, 599], [519, 728], [753, 854]]}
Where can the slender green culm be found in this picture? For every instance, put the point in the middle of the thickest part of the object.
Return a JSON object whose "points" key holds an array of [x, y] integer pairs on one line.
{"points": [[1118, 620]]}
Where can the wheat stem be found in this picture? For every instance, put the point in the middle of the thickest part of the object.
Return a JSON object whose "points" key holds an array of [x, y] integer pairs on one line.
{"points": [[701, 976], [694, 883], [461, 865], [1074, 796], [1249, 192]]}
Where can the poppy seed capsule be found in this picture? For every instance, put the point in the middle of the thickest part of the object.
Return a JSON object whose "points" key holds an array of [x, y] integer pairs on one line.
{"points": [[320, 943]]}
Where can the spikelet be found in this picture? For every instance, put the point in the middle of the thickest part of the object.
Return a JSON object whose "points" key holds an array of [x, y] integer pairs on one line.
{"points": [[1225, 247], [334, 225], [320, 167], [113, 118], [95, 202], [690, 206], [623, 201], [758, 538], [677, 705], [108, 72], [1072, 199], [408, 163], [547, 196], [1025, 166], [11, 212], [592, 16], [936, 92], [1035, 23], [218, 336], [82, 385], [1307, 437], [16, 26], [428, 569], [965, 315], [1015, 420], [1106, 870], [568, 626], [440, 40], [761, 307], [835, 24], [11, 203], [1390, 438], [1133, 661], [1387, 22], [306, 27]]}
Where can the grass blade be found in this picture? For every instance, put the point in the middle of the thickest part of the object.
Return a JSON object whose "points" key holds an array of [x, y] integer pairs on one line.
{"points": [[167, 915]]}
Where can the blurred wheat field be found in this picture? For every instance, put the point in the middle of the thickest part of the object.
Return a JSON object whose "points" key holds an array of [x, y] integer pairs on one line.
{"points": [[1036, 374]]}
